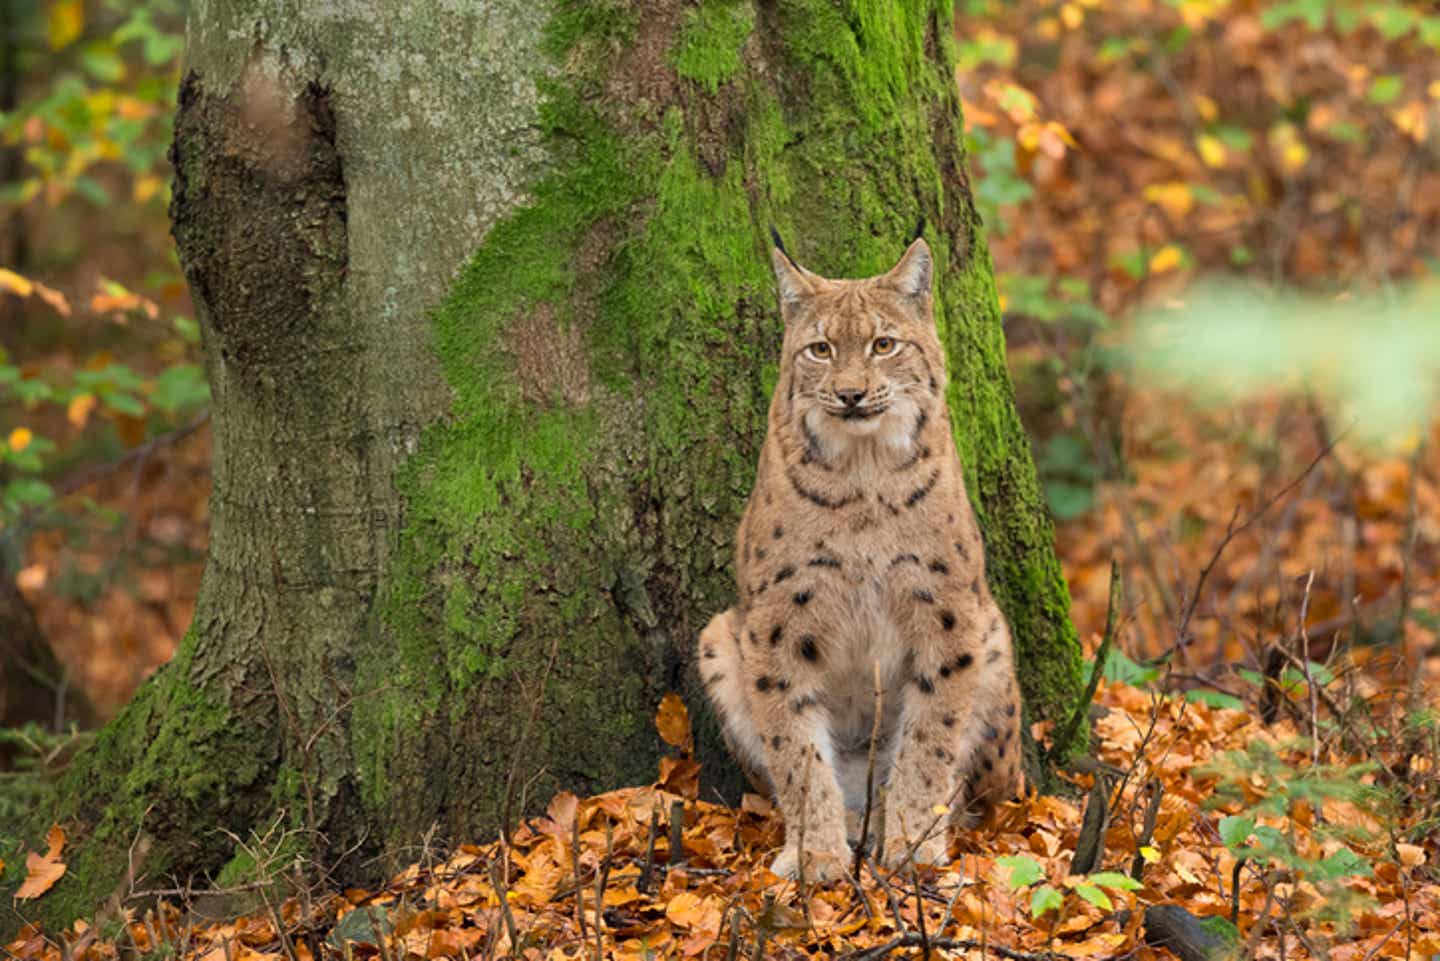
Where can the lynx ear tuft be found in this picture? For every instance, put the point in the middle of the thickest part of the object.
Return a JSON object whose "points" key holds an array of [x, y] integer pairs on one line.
{"points": [[919, 229], [793, 280], [912, 275]]}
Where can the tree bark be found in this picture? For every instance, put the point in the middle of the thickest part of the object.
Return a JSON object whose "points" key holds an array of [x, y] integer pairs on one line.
{"points": [[491, 332]]}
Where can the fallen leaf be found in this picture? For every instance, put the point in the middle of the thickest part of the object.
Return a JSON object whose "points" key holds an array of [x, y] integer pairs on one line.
{"points": [[680, 775], [43, 870], [77, 412], [672, 720], [15, 284], [1411, 855]]}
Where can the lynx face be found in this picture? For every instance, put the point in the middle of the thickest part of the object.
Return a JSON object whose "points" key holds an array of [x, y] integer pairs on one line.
{"points": [[863, 354]]}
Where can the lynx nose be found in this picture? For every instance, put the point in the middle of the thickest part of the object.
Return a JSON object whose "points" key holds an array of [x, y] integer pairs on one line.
{"points": [[851, 397]]}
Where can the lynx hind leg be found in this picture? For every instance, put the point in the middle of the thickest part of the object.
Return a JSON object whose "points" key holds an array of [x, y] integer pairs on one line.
{"points": [[996, 763], [721, 670]]}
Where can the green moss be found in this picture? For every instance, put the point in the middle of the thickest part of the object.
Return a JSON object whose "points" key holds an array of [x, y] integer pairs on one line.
{"points": [[174, 757], [708, 50], [276, 862]]}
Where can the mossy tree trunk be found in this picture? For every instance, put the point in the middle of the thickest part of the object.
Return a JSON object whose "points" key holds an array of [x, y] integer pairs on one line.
{"points": [[490, 326]]}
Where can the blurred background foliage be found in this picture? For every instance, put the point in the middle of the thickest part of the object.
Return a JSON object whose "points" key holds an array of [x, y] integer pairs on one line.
{"points": [[1282, 151], [98, 354]]}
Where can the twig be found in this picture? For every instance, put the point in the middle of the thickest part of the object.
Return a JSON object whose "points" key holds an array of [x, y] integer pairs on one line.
{"points": [[575, 864], [503, 895], [83, 479], [646, 872], [733, 950], [524, 740], [758, 952], [1305, 668], [1090, 844], [920, 915], [1231, 531], [1235, 891], [951, 944], [870, 778], [677, 834], [732, 953], [602, 877], [1062, 742], [884, 884], [379, 933], [1258, 929], [1147, 831]]}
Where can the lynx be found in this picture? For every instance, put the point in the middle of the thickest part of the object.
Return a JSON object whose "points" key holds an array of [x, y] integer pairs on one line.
{"points": [[858, 553]]}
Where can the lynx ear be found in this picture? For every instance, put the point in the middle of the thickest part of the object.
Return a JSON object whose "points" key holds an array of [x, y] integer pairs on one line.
{"points": [[793, 280], [912, 275]]}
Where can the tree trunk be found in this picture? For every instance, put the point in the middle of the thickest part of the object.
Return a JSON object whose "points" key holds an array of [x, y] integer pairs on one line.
{"points": [[33, 685], [490, 328]]}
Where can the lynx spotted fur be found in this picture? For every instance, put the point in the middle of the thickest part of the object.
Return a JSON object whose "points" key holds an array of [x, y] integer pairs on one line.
{"points": [[858, 548]]}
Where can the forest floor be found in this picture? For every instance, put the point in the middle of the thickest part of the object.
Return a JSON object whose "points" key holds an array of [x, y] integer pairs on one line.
{"points": [[1339, 875]]}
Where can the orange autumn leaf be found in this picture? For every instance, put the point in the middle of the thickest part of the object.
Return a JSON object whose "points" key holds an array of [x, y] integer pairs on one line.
{"points": [[77, 412], [672, 720], [57, 301], [43, 870], [690, 910], [680, 775]]}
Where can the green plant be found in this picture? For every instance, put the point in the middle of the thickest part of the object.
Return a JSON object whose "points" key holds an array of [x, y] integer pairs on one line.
{"points": [[1023, 872], [33, 758], [1300, 823]]}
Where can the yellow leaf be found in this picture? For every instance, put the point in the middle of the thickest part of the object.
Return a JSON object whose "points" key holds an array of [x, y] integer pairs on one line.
{"points": [[67, 19], [1411, 855], [1166, 258], [1149, 854], [672, 720], [1211, 149], [939, 810], [1288, 148], [20, 439], [13, 282], [1174, 197], [146, 187], [1434, 90], [1205, 107], [1411, 119], [79, 408], [1072, 16], [1294, 156]]}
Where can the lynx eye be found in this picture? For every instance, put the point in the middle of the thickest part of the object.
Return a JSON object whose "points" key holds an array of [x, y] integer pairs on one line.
{"points": [[883, 346], [819, 350]]}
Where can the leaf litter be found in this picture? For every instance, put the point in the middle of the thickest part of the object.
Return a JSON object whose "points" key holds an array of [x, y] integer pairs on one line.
{"points": [[536, 896]]}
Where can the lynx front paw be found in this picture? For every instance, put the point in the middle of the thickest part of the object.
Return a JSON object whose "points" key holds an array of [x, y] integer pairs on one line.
{"points": [[819, 865], [932, 850]]}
